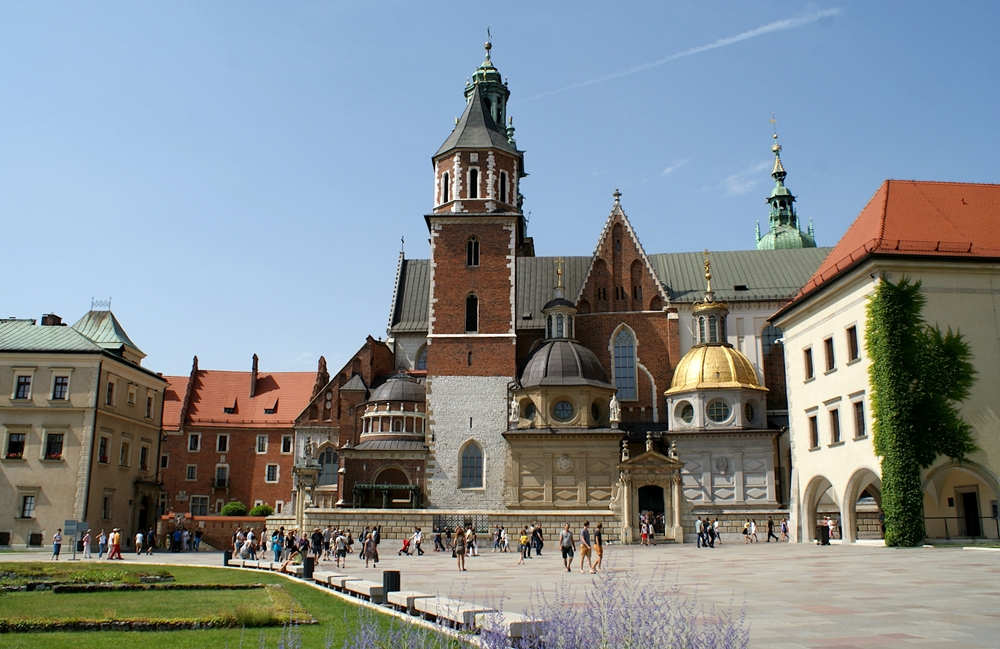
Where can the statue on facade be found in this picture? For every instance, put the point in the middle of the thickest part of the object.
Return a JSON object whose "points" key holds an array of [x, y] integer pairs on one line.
{"points": [[649, 441], [672, 451], [615, 411], [308, 449], [513, 418]]}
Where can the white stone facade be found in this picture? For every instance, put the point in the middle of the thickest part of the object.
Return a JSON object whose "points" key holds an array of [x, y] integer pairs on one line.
{"points": [[460, 409]]}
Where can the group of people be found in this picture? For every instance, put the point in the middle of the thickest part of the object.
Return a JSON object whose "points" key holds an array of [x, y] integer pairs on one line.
{"points": [[322, 544], [707, 531], [107, 544], [591, 547]]}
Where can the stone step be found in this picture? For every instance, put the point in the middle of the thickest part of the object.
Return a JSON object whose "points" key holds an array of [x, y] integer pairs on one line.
{"points": [[374, 591], [515, 625]]}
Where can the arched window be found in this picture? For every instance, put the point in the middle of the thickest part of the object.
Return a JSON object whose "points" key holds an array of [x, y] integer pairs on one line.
{"points": [[472, 313], [559, 326], [328, 466], [445, 187], [624, 349], [473, 183], [713, 331], [421, 361], [472, 252], [503, 187], [569, 326], [548, 327], [471, 470]]}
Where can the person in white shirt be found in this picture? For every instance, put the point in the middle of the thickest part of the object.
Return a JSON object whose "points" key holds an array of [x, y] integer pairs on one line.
{"points": [[138, 542], [418, 538]]}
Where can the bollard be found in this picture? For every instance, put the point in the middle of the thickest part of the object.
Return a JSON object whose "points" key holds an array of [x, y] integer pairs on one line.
{"points": [[226, 556], [308, 565], [390, 581]]}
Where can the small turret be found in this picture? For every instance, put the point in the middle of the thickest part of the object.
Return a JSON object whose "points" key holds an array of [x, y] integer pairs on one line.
{"points": [[784, 231]]}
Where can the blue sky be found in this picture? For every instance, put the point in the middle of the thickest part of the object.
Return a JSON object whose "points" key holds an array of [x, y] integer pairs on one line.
{"points": [[237, 175]]}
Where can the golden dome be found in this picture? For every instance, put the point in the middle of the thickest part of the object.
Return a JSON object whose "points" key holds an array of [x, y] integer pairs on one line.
{"points": [[714, 366]]}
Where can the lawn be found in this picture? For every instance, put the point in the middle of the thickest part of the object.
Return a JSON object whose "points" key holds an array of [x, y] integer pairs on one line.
{"points": [[335, 618]]}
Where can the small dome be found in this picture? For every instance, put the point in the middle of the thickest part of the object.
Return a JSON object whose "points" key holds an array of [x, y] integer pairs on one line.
{"points": [[714, 366], [563, 362], [558, 301], [400, 388]]}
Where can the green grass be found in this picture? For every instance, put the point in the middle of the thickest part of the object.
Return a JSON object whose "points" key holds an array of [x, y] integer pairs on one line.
{"points": [[335, 618], [22, 573]]}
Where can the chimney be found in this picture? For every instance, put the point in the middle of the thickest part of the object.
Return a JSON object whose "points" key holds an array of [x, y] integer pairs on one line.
{"points": [[253, 377], [51, 320]]}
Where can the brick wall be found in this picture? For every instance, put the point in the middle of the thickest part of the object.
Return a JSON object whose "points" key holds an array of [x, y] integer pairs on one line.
{"points": [[217, 530], [247, 468]]}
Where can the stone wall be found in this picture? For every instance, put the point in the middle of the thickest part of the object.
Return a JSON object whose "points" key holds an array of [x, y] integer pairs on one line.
{"points": [[397, 524], [461, 409]]}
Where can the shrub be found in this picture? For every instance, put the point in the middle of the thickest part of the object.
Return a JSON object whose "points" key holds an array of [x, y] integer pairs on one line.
{"points": [[250, 616], [262, 510], [235, 508]]}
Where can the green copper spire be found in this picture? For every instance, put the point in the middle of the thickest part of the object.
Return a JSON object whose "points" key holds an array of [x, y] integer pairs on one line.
{"points": [[488, 80], [784, 229]]}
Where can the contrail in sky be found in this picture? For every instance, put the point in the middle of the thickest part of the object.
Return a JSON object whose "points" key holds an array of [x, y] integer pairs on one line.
{"points": [[776, 26]]}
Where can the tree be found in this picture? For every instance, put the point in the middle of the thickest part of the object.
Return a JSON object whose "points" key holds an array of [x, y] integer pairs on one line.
{"points": [[918, 377], [234, 508]]}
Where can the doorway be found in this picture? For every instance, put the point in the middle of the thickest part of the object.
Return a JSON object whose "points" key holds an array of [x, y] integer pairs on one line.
{"points": [[651, 503], [968, 514]]}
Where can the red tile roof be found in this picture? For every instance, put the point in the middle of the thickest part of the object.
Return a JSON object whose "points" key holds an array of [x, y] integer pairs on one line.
{"points": [[215, 390], [916, 218], [173, 400]]}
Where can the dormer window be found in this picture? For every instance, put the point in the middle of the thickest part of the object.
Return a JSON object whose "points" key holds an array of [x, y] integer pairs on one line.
{"points": [[473, 183], [472, 252]]}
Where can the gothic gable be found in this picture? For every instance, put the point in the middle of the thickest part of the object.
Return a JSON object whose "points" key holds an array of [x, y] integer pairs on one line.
{"points": [[620, 277]]}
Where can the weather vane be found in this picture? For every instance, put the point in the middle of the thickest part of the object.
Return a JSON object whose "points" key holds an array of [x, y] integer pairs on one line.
{"points": [[774, 134]]}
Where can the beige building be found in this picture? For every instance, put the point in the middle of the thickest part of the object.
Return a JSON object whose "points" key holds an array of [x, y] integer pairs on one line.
{"points": [[79, 428], [945, 235]]}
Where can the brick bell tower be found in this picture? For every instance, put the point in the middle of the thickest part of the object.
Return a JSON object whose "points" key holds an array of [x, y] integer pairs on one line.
{"points": [[477, 231]]}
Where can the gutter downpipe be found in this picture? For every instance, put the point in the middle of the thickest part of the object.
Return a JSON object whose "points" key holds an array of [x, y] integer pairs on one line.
{"points": [[93, 440]]}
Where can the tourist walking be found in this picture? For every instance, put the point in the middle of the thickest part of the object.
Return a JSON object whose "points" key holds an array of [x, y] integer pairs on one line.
{"points": [[718, 532], [138, 543], [102, 544], [340, 549], [150, 541], [784, 529], [585, 547], [709, 533], [753, 531], [56, 544], [116, 544], [458, 551], [418, 539], [770, 531], [598, 548], [438, 543], [523, 544], [472, 541], [370, 550], [746, 531], [86, 544], [697, 531], [567, 544], [539, 540], [504, 546]]}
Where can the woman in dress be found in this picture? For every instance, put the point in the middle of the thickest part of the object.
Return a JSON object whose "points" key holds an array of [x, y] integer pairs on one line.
{"points": [[460, 547], [86, 544]]}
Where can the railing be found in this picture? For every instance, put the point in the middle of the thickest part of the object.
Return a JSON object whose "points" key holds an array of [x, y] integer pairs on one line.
{"points": [[479, 522], [946, 527]]}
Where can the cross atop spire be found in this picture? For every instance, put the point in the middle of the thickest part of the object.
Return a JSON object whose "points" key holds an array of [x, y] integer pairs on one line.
{"points": [[618, 196]]}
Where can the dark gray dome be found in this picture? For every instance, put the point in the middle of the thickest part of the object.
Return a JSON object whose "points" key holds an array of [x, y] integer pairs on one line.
{"points": [[400, 388], [563, 362], [558, 301]]}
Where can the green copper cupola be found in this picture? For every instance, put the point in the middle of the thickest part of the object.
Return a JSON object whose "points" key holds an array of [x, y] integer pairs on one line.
{"points": [[784, 231], [494, 91]]}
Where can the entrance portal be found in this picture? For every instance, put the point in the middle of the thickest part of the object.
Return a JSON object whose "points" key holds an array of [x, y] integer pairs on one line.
{"points": [[651, 503], [969, 515]]}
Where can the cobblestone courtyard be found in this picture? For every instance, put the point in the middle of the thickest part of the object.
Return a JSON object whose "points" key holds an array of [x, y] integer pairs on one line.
{"points": [[796, 596]]}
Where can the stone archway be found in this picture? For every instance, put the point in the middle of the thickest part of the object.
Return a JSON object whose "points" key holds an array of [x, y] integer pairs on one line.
{"points": [[643, 478], [652, 501], [862, 507], [818, 501], [395, 497], [961, 499]]}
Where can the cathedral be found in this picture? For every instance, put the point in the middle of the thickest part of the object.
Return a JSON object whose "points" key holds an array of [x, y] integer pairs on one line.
{"points": [[619, 384]]}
